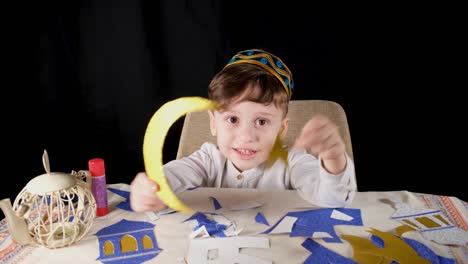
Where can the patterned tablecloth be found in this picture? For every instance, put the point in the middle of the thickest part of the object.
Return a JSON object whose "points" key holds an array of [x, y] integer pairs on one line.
{"points": [[172, 233]]}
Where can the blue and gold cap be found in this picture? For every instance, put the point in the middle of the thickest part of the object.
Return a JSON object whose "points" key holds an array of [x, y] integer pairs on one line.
{"points": [[269, 62]]}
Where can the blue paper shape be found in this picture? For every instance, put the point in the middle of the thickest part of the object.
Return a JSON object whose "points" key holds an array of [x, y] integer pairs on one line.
{"points": [[427, 253], [379, 242], [260, 218], [212, 227], [125, 205], [138, 236], [318, 220], [216, 204], [321, 254]]}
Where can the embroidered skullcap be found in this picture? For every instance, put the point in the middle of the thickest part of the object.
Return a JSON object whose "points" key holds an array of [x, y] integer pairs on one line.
{"points": [[269, 62]]}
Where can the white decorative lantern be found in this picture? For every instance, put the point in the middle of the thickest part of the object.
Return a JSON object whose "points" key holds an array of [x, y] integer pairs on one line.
{"points": [[53, 210]]}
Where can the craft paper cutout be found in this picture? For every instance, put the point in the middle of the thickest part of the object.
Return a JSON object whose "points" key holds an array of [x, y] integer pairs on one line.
{"points": [[260, 218], [212, 227], [127, 242], [152, 216], [321, 254], [321, 235], [225, 250], [216, 225], [216, 204], [319, 220], [221, 219], [393, 249], [379, 242], [200, 232], [432, 224], [284, 225], [125, 205], [340, 216], [154, 138], [427, 253]]}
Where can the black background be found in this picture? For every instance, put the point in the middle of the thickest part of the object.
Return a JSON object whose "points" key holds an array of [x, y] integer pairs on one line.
{"points": [[84, 79]]}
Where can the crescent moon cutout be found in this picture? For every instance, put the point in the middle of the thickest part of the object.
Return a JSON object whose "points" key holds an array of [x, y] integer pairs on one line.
{"points": [[154, 138]]}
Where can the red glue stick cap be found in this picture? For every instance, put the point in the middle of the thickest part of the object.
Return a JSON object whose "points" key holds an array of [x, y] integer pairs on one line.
{"points": [[96, 167], [101, 211]]}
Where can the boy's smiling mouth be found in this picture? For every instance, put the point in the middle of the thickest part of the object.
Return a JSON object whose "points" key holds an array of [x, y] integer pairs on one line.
{"points": [[245, 153]]}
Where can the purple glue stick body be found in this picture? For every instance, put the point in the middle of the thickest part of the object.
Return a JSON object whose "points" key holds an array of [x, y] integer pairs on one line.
{"points": [[98, 186]]}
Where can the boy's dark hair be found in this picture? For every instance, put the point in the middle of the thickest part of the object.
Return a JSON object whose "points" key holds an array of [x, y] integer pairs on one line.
{"points": [[247, 82]]}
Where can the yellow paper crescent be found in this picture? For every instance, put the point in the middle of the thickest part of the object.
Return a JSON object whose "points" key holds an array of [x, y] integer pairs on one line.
{"points": [[153, 142]]}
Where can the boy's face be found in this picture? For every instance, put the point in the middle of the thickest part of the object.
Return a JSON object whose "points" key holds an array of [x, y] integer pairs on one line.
{"points": [[246, 132]]}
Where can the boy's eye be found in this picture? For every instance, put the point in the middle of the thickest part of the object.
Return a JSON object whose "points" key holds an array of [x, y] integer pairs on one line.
{"points": [[261, 122], [232, 119]]}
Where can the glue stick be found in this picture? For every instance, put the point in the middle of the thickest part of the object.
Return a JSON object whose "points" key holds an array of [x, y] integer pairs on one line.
{"points": [[98, 186]]}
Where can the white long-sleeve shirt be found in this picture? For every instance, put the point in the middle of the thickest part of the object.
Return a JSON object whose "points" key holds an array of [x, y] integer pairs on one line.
{"points": [[208, 167]]}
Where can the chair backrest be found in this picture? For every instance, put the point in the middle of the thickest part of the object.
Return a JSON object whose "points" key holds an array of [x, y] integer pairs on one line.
{"points": [[196, 127]]}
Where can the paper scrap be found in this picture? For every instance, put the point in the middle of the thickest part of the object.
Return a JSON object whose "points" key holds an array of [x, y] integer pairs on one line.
{"points": [[216, 225], [125, 196], [226, 250], [260, 218], [200, 232], [152, 216], [221, 219], [340, 216], [321, 235], [216, 204], [319, 220], [284, 226]]}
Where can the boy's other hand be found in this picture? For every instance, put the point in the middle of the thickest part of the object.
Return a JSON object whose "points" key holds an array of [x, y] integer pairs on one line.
{"points": [[321, 138], [143, 195]]}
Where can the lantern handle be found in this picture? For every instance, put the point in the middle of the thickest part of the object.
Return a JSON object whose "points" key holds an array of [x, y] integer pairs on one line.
{"points": [[45, 161]]}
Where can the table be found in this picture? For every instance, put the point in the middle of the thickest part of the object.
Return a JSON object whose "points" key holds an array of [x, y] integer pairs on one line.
{"points": [[166, 240]]}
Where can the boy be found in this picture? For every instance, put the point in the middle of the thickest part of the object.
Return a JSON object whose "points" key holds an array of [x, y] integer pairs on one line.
{"points": [[253, 91]]}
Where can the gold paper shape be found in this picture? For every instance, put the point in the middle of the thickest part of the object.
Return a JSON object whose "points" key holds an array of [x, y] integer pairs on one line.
{"points": [[147, 242], [128, 243], [442, 219], [427, 222], [108, 248], [395, 249], [277, 152], [410, 223], [400, 230]]}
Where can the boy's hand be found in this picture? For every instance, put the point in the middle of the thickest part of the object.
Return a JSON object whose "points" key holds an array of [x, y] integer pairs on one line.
{"points": [[321, 138], [143, 195]]}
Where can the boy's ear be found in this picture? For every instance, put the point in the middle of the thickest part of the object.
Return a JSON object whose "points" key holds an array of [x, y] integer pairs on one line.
{"points": [[284, 127], [212, 123]]}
